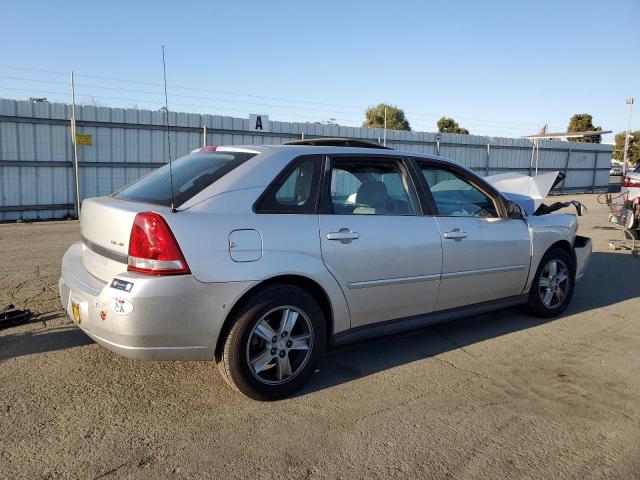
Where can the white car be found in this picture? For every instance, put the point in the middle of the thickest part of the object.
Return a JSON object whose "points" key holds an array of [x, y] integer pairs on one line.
{"points": [[261, 257], [616, 169], [630, 198], [631, 184]]}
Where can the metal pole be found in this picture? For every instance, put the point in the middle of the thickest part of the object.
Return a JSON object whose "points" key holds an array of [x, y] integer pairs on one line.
{"points": [[75, 144], [204, 136], [595, 171], [486, 167], [533, 150], [628, 101], [385, 127], [566, 168]]}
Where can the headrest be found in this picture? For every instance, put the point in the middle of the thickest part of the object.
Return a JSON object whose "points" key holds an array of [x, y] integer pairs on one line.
{"points": [[372, 193]]}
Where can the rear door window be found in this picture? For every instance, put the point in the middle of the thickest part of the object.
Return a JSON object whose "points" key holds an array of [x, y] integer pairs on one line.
{"points": [[191, 174], [371, 186]]}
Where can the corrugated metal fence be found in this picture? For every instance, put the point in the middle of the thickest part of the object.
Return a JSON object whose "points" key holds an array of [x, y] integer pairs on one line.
{"points": [[36, 152]]}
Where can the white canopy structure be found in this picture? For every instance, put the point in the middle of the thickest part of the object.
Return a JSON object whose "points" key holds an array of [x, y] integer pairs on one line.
{"points": [[535, 152]]}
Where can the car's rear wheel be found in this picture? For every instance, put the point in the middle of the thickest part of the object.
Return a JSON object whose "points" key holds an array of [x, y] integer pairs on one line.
{"points": [[553, 284], [274, 344]]}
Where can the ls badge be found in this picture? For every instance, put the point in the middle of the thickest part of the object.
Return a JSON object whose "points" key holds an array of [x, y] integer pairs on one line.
{"points": [[121, 306]]}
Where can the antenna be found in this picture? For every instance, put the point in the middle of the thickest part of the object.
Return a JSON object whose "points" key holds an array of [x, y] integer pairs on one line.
{"points": [[166, 112]]}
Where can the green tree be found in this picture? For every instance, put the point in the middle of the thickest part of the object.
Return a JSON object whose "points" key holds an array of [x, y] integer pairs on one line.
{"points": [[330, 123], [396, 120], [634, 148], [449, 125], [583, 122]]}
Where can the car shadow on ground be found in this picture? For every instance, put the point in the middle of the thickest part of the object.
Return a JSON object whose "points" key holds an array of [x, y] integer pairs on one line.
{"points": [[19, 344], [611, 278]]}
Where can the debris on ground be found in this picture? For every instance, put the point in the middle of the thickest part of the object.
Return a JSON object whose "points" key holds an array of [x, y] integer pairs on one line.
{"points": [[11, 316]]}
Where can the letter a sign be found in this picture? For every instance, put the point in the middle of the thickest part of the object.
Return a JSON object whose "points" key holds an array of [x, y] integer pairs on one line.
{"points": [[259, 123]]}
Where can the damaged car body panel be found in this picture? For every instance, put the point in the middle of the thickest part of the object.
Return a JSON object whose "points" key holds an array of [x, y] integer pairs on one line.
{"points": [[530, 193]]}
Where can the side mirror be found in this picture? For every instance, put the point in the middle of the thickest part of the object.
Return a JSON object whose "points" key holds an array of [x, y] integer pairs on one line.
{"points": [[514, 210]]}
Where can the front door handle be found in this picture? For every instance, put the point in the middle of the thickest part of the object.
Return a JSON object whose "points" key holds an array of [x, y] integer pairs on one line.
{"points": [[344, 234], [455, 234]]}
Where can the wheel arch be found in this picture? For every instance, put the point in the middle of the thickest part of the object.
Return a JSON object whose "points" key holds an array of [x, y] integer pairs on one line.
{"points": [[565, 245], [538, 256], [562, 244], [307, 284]]}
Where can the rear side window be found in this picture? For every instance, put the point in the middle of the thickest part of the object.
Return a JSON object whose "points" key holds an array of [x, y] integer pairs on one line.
{"points": [[295, 190], [371, 186], [191, 174]]}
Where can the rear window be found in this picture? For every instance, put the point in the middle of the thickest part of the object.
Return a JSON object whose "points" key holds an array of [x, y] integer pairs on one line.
{"points": [[191, 174]]}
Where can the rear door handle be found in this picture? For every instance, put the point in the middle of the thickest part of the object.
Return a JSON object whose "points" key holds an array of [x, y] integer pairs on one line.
{"points": [[455, 234], [342, 235]]}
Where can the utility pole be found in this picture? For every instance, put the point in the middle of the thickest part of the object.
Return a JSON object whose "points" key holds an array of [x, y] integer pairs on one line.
{"points": [[385, 126], [75, 144], [628, 101]]}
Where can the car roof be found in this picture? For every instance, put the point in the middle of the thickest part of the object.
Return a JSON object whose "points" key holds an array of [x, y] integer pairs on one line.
{"points": [[327, 150]]}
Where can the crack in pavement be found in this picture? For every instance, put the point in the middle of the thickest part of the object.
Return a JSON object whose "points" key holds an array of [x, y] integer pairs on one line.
{"points": [[453, 342], [457, 367]]}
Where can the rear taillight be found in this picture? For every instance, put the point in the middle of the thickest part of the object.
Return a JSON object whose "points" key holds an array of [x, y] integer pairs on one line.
{"points": [[153, 248], [629, 182]]}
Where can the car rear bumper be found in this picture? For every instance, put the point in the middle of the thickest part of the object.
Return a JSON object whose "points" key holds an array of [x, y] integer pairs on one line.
{"points": [[166, 318], [582, 247]]}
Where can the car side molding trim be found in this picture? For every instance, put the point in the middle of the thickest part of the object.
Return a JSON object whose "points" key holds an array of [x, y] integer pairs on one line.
{"points": [[393, 281], [484, 271], [392, 327], [436, 276]]}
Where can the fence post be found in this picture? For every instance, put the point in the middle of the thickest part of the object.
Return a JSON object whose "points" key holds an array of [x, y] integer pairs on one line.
{"points": [[486, 167], [595, 170], [566, 168], [75, 144]]}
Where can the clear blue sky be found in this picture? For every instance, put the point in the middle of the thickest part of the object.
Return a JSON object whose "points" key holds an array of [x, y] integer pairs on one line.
{"points": [[498, 67]]}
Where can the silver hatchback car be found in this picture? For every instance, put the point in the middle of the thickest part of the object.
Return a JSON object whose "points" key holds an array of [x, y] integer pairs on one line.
{"points": [[260, 257]]}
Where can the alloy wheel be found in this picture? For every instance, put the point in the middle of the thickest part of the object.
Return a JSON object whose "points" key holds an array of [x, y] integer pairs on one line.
{"points": [[279, 345], [554, 283]]}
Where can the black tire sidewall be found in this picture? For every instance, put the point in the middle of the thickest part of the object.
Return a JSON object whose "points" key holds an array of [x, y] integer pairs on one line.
{"points": [[536, 305], [234, 351]]}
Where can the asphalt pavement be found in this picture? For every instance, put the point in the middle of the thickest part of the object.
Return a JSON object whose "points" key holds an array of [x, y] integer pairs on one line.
{"points": [[502, 395]]}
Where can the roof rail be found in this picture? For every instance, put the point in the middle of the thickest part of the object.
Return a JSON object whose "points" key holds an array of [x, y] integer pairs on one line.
{"points": [[336, 142]]}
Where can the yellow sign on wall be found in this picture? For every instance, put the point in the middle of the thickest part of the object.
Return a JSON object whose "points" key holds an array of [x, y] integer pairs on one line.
{"points": [[84, 139]]}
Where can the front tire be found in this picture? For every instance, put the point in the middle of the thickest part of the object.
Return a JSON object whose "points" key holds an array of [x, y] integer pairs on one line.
{"points": [[275, 342], [553, 285]]}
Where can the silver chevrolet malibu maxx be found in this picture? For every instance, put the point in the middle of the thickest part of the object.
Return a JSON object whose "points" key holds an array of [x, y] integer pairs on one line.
{"points": [[261, 257]]}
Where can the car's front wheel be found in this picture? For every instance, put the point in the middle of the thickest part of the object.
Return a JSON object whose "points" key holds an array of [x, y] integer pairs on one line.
{"points": [[553, 284], [275, 343]]}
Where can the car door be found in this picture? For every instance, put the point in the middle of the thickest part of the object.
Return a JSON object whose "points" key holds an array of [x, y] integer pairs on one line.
{"points": [[384, 253], [485, 256]]}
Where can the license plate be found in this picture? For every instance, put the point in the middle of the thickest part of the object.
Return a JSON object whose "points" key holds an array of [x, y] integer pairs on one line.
{"points": [[75, 310]]}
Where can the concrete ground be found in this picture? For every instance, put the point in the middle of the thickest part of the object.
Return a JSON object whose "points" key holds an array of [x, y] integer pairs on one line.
{"points": [[495, 396]]}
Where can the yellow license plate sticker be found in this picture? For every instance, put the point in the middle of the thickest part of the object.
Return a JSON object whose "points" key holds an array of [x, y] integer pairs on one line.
{"points": [[75, 310]]}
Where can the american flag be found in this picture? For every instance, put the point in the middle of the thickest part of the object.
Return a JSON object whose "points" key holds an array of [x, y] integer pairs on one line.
{"points": [[543, 130]]}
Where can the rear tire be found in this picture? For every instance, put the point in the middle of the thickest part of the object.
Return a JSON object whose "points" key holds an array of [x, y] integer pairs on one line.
{"points": [[553, 285], [275, 342]]}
